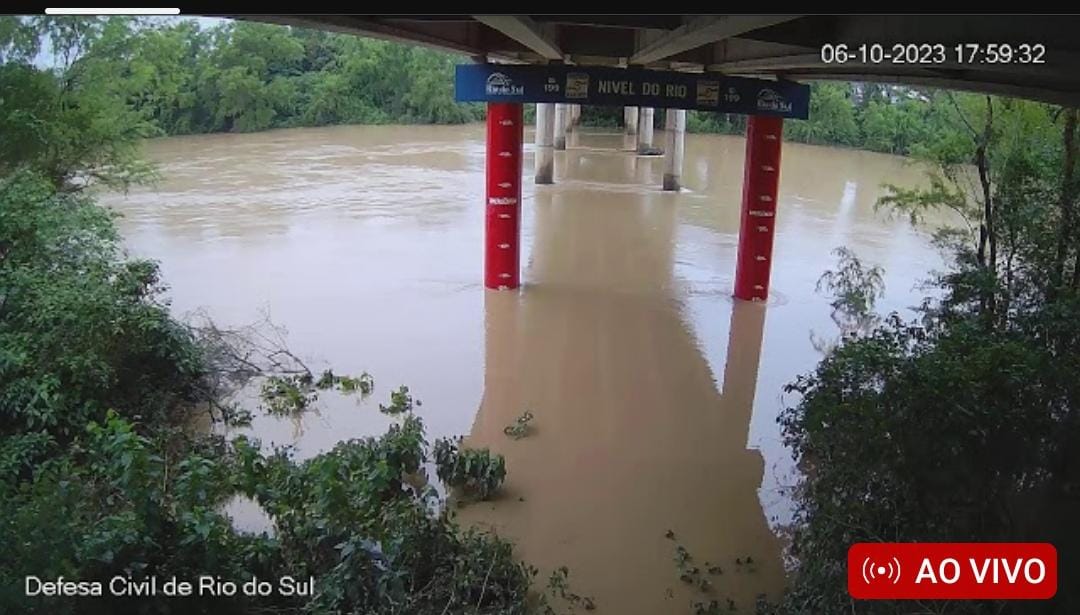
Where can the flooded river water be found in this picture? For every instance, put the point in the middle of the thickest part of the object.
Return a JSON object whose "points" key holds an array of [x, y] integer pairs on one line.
{"points": [[654, 393]]}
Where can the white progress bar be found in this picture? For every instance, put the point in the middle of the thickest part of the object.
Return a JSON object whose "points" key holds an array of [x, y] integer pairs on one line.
{"points": [[107, 11]]}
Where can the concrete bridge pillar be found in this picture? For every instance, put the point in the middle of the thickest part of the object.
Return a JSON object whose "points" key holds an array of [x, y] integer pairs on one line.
{"points": [[575, 115], [761, 181], [675, 133], [502, 232], [561, 114], [545, 143], [645, 129], [630, 120]]}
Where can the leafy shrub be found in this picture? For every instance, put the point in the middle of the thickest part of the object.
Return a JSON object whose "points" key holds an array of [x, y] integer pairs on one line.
{"points": [[520, 428], [98, 480], [363, 383], [400, 402], [476, 472], [81, 327], [287, 394]]}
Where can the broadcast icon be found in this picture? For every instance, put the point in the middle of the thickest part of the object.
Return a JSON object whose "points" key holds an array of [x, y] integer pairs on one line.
{"points": [[872, 571]]}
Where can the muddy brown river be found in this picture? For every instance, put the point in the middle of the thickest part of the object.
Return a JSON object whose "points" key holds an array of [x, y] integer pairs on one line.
{"points": [[655, 394]]}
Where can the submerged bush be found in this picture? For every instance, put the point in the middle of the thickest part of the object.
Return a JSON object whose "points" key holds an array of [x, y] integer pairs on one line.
{"points": [[477, 473], [400, 401], [98, 481], [363, 383]]}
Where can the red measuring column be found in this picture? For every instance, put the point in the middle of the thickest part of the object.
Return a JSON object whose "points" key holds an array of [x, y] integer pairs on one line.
{"points": [[502, 239], [761, 179]]}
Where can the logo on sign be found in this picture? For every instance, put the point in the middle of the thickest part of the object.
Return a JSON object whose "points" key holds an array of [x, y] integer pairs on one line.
{"points": [[499, 84], [577, 85], [708, 93], [771, 100]]}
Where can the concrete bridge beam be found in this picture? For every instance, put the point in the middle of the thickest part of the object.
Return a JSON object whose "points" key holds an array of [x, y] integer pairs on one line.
{"points": [[630, 120], [561, 115], [675, 134], [645, 130], [545, 143]]}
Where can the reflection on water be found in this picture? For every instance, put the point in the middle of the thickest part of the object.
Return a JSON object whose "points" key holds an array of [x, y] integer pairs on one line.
{"points": [[631, 439], [654, 394]]}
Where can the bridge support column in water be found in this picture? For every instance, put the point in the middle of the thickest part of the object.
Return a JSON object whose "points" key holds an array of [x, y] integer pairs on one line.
{"points": [[630, 120], [761, 180], [561, 113], [502, 237], [674, 148], [545, 143], [645, 130]]}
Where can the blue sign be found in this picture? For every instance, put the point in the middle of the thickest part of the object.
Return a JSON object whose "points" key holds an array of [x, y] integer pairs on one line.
{"points": [[630, 87]]}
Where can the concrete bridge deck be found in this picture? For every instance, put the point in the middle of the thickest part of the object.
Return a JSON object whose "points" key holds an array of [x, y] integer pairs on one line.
{"points": [[788, 46]]}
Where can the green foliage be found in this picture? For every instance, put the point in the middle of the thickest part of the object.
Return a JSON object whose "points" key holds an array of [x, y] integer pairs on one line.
{"points": [[99, 479], [295, 393], [521, 427], [477, 473], [895, 126], [832, 117], [558, 587], [919, 122], [119, 503], [363, 383], [854, 289], [942, 434], [283, 395], [694, 576], [244, 77], [604, 117], [72, 126], [81, 328], [115, 503], [400, 401], [118, 80], [962, 425], [349, 518], [722, 123], [18, 40], [916, 202]]}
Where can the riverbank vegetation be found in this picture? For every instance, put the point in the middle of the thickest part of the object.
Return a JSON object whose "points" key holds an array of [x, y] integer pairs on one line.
{"points": [[183, 77], [101, 477], [882, 118], [964, 423]]}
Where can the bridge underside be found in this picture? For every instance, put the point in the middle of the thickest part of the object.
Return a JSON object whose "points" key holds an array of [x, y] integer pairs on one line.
{"points": [[787, 46]]}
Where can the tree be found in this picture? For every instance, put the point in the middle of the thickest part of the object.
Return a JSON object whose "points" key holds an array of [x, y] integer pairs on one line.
{"points": [[98, 477], [832, 117], [962, 425], [73, 125]]}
